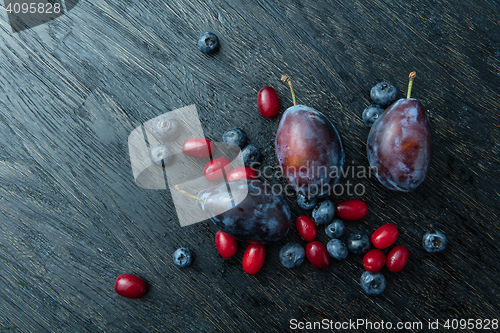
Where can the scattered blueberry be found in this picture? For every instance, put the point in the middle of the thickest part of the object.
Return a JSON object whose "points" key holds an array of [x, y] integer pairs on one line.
{"points": [[383, 94], [160, 153], [434, 241], [292, 255], [182, 257], [337, 249], [372, 283], [251, 155], [335, 229], [358, 242], [371, 114], [165, 128], [323, 213], [208, 43], [306, 203], [236, 136]]}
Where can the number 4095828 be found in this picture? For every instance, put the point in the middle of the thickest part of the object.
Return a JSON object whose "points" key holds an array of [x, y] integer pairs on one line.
{"points": [[33, 8], [472, 324]]}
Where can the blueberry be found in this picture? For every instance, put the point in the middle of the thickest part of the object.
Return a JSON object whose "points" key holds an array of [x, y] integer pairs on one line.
{"points": [[165, 128], [358, 242], [251, 155], [371, 114], [306, 203], [337, 249], [236, 136], [383, 94], [323, 213], [372, 283], [208, 43], [292, 255], [434, 241], [182, 257], [160, 154], [335, 229]]}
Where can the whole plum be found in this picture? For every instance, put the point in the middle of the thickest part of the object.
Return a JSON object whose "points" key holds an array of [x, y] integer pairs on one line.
{"points": [[251, 211], [399, 146], [309, 150]]}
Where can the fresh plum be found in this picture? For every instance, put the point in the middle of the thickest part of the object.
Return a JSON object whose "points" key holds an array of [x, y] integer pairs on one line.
{"points": [[399, 146], [249, 212], [309, 150]]}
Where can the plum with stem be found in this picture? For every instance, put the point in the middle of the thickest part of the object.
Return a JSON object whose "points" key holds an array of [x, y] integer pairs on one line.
{"points": [[399, 146], [309, 149]]}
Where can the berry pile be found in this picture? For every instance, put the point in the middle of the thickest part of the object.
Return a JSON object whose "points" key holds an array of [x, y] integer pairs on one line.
{"points": [[165, 129], [323, 214], [373, 282]]}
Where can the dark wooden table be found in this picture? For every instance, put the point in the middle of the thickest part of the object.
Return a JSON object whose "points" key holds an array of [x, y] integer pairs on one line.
{"points": [[72, 218]]}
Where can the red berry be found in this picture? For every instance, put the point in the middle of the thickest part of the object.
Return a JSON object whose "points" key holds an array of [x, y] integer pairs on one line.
{"points": [[226, 244], [351, 210], [130, 286], [242, 173], [374, 260], [268, 102], [253, 259], [317, 255], [198, 147], [306, 228], [397, 258], [213, 169], [385, 236]]}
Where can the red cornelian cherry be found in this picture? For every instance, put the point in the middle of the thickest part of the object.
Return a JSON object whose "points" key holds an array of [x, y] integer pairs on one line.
{"points": [[213, 169], [306, 228], [130, 286], [242, 173], [351, 210], [268, 102], [198, 147], [317, 255], [226, 244], [374, 260], [397, 258], [385, 236], [253, 259]]}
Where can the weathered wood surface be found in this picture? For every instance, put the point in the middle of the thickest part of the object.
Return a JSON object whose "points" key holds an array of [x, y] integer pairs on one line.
{"points": [[72, 218]]}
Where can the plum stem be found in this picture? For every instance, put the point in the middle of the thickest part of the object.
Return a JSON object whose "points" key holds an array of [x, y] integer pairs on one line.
{"points": [[189, 195], [410, 83], [286, 79]]}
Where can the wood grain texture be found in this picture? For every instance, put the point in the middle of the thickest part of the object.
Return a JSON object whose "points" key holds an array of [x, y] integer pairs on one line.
{"points": [[72, 218]]}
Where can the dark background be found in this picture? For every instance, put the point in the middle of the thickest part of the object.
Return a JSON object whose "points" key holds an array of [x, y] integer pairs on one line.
{"points": [[72, 218]]}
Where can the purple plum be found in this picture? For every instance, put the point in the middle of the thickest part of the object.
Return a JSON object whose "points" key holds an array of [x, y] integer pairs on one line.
{"points": [[399, 146], [250, 211], [309, 151]]}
